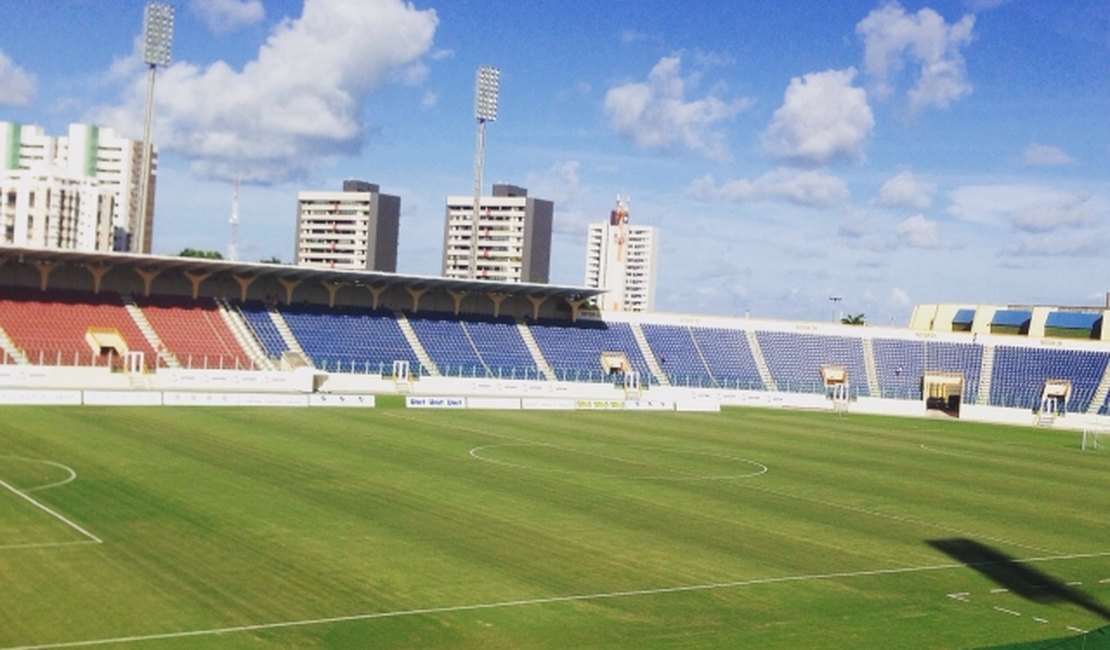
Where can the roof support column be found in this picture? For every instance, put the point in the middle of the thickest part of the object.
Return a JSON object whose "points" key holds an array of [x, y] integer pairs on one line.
{"points": [[575, 307], [416, 295], [375, 295], [196, 278], [458, 297], [148, 276], [45, 269], [333, 288], [289, 286], [244, 282], [97, 271], [497, 299], [536, 302]]}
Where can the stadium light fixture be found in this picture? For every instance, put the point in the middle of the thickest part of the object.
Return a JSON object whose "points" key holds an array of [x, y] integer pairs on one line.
{"points": [[834, 300], [157, 43], [486, 89]]}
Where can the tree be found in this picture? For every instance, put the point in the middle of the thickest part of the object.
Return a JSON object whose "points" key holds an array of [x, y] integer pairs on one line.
{"points": [[853, 319], [196, 252], [273, 259]]}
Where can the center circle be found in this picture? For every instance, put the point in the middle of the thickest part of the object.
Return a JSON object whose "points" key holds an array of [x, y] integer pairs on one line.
{"points": [[620, 461]]}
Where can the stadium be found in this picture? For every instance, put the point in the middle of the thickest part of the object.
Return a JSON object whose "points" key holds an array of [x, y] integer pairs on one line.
{"points": [[384, 468]]}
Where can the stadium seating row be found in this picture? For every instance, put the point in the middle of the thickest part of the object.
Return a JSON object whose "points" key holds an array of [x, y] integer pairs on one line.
{"points": [[51, 328]]}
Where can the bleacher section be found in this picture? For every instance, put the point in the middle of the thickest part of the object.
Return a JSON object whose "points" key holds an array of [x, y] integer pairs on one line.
{"points": [[350, 339], [51, 327], [795, 360], [703, 356], [1019, 374], [573, 350], [257, 317], [901, 363], [64, 327], [498, 343], [194, 332], [474, 347]]}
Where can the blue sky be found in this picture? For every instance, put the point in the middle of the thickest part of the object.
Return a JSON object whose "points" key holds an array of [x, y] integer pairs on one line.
{"points": [[886, 153]]}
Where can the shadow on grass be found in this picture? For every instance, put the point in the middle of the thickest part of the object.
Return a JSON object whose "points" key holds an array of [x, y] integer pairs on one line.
{"points": [[1019, 577]]}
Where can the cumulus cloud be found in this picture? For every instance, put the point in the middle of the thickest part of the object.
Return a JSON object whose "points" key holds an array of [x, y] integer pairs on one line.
{"points": [[918, 232], [1026, 208], [227, 15], [1041, 155], [823, 118], [905, 190], [893, 38], [656, 114], [297, 103], [811, 188], [18, 84]]}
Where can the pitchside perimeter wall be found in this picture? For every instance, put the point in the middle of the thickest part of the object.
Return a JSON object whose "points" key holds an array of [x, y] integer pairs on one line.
{"points": [[308, 387]]}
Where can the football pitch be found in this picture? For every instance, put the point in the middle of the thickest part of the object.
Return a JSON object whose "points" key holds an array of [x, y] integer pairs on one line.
{"points": [[395, 528]]}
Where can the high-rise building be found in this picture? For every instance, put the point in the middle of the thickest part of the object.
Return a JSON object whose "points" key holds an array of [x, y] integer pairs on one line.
{"points": [[513, 241], [97, 173], [621, 259], [355, 229]]}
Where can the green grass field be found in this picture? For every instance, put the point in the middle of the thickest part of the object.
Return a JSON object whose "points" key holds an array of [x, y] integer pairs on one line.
{"points": [[303, 528]]}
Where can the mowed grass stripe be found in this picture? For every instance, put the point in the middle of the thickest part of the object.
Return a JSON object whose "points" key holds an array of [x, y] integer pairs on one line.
{"points": [[224, 517]]}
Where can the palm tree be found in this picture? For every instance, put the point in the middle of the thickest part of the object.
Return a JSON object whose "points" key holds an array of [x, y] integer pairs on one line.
{"points": [[854, 319]]}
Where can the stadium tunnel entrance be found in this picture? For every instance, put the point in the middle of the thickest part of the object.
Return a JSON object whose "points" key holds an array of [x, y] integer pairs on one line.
{"points": [[942, 392]]}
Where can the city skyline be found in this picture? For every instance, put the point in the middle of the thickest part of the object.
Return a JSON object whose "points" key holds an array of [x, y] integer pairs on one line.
{"points": [[887, 154]]}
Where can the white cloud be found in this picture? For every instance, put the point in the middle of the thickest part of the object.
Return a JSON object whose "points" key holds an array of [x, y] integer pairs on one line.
{"points": [[227, 15], [918, 232], [656, 115], [297, 103], [1026, 208], [899, 298], [562, 184], [429, 100], [823, 118], [1041, 155], [905, 190], [892, 37], [812, 188], [18, 84]]}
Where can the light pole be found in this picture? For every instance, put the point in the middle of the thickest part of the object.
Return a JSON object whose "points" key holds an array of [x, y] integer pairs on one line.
{"points": [[157, 41], [485, 110], [834, 300]]}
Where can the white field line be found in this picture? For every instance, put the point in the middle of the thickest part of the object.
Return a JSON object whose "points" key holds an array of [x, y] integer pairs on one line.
{"points": [[68, 479], [52, 513], [1076, 629], [450, 609], [1006, 611]]}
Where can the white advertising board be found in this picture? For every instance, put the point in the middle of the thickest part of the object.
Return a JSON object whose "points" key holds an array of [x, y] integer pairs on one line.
{"points": [[421, 402]]}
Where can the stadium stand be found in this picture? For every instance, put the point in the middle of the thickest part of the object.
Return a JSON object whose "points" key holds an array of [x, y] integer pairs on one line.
{"points": [[900, 364], [795, 360], [51, 327], [350, 339], [194, 332], [474, 346], [257, 317], [1019, 374], [573, 350], [678, 355], [499, 344]]}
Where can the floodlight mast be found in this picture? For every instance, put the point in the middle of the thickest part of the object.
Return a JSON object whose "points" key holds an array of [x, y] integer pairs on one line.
{"points": [[157, 42], [485, 110]]}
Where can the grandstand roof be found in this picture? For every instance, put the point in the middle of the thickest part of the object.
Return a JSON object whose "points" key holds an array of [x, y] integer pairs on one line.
{"points": [[260, 269]]}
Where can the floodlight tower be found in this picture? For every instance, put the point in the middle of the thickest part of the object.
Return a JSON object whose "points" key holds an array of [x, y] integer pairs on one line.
{"points": [[485, 110], [157, 41]]}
